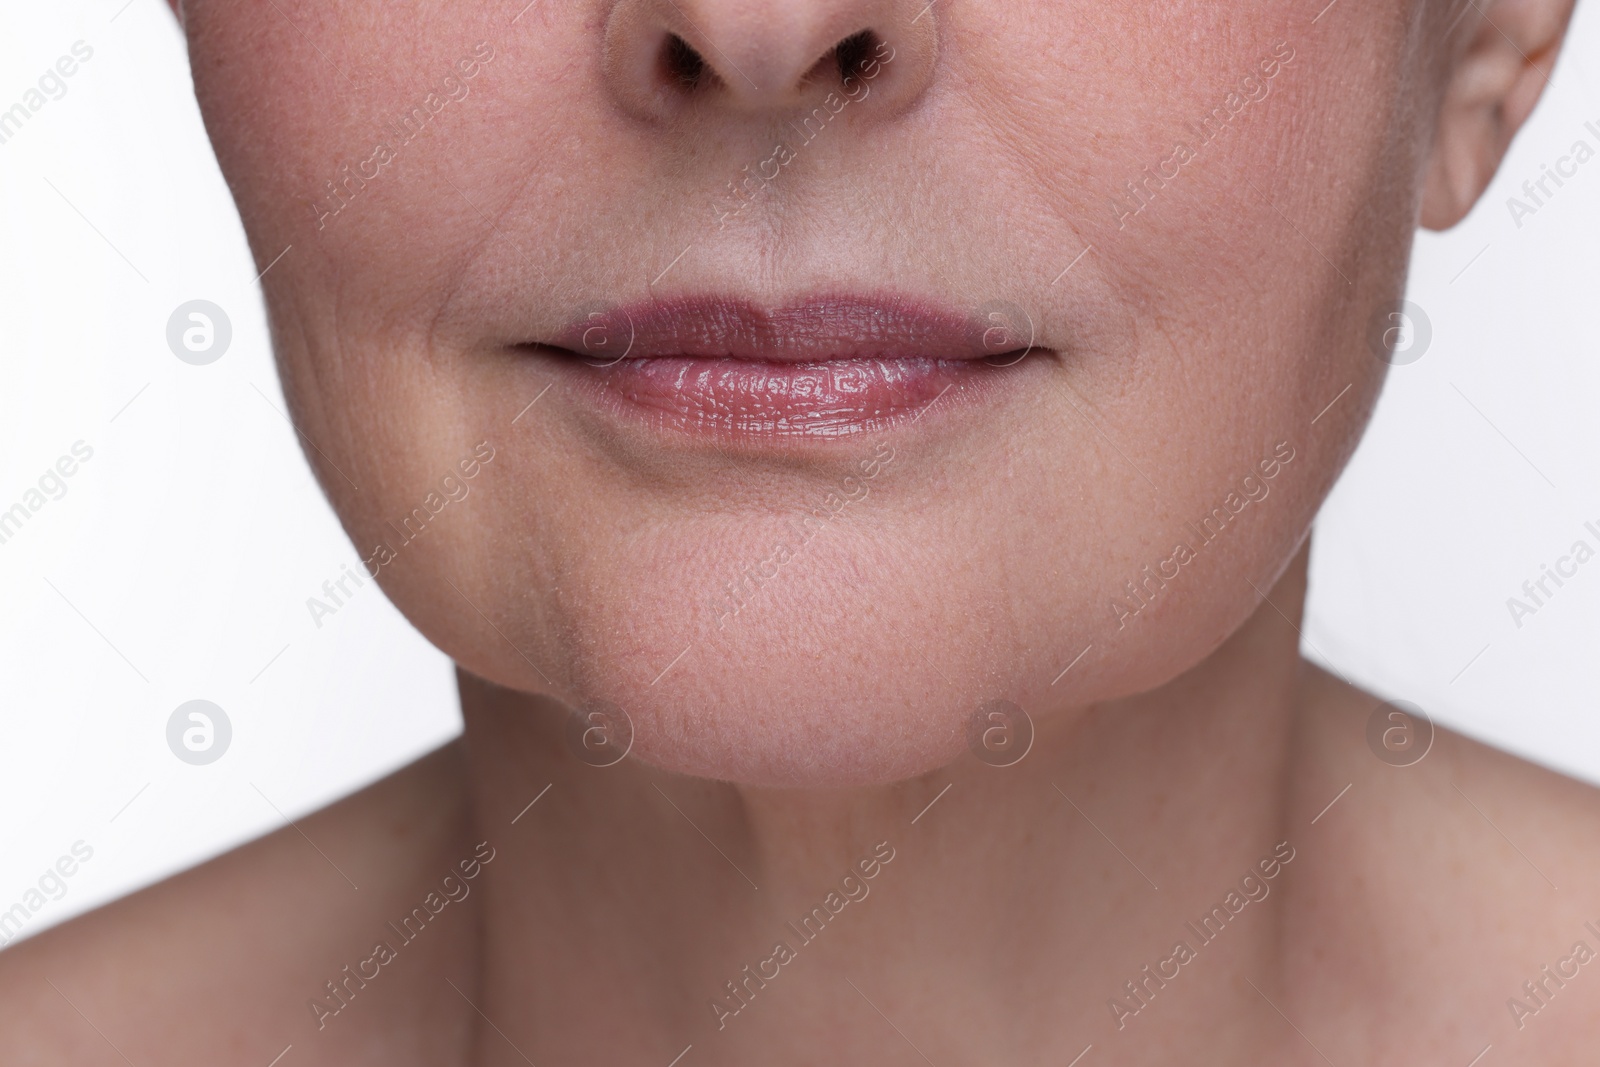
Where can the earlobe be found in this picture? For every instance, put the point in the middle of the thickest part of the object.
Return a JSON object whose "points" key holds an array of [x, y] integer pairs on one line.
{"points": [[1496, 76]]}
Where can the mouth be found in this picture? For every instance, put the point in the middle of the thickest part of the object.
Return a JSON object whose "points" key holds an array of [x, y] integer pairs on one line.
{"points": [[828, 367]]}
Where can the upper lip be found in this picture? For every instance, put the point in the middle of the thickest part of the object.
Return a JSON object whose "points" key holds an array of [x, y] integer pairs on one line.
{"points": [[818, 329]]}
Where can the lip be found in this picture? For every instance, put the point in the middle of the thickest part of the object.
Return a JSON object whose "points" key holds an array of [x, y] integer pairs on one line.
{"points": [[828, 367]]}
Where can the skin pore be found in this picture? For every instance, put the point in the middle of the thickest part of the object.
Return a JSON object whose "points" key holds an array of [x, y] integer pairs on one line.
{"points": [[1200, 320]]}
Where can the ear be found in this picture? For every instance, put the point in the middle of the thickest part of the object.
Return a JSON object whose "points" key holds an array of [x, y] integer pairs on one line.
{"points": [[1502, 60]]}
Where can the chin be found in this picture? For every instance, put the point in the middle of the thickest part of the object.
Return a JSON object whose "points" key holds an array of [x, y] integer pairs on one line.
{"points": [[846, 668], [834, 684], [748, 648]]}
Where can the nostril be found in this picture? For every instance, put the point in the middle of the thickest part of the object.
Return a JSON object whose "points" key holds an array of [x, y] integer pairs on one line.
{"points": [[852, 53], [847, 59], [682, 66]]}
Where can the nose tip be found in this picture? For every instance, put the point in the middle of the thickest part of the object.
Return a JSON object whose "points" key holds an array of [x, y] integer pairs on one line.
{"points": [[752, 55]]}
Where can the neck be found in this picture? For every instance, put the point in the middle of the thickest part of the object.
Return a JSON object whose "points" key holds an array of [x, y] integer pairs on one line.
{"points": [[637, 912]]}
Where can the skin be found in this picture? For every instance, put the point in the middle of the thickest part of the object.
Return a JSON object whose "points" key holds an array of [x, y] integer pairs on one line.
{"points": [[771, 753]]}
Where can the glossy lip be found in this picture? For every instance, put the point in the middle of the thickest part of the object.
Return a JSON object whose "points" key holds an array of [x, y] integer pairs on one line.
{"points": [[830, 367]]}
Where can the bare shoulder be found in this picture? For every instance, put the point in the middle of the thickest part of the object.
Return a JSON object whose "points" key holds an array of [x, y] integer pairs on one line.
{"points": [[1456, 884], [226, 962]]}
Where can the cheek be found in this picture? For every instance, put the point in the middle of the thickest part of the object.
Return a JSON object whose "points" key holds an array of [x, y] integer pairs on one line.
{"points": [[320, 123]]}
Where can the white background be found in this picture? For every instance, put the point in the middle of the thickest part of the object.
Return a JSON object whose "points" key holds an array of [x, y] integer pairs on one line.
{"points": [[178, 563]]}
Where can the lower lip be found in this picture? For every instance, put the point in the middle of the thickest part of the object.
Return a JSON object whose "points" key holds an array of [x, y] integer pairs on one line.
{"points": [[752, 399]]}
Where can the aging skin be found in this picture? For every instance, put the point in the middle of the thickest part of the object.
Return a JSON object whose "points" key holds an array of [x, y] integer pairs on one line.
{"points": [[1199, 211]]}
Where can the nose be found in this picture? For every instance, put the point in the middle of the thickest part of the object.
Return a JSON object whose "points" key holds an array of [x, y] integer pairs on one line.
{"points": [[752, 56]]}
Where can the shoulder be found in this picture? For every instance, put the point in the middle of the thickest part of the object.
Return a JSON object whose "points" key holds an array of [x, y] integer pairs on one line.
{"points": [[1444, 879], [225, 961]]}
